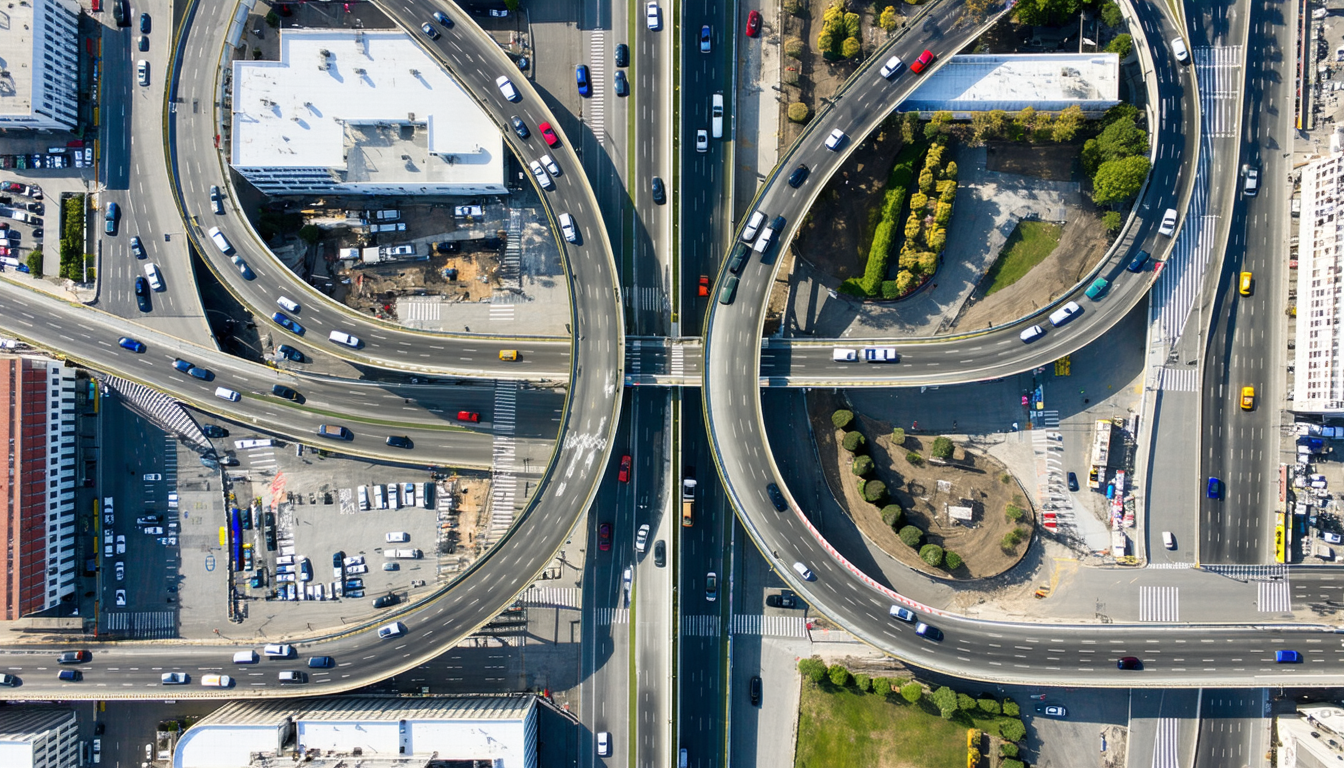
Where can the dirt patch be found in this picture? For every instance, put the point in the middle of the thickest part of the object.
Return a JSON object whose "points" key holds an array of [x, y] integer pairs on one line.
{"points": [[1081, 245], [1056, 162], [779, 296], [925, 491], [375, 287]]}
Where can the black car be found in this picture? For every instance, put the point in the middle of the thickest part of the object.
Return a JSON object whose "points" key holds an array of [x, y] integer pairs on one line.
{"points": [[449, 246], [400, 441], [386, 601], [280, 390], [210, 430], [37, 208], [659, 193], [622, 55], [290, 353], [337, 559], [660, 553], [519, 127], [776, 497], [754, 691], [798, 176], [1129, 662], [621, 85], [784, 600], [37, 233], [1073, 482], [144, 43], [142, 294], [144, 23], [269, 518]]}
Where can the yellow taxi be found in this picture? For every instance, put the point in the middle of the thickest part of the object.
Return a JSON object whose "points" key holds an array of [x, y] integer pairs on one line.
{"points": [[1247, 398], [508, 355], [1245, 286]]}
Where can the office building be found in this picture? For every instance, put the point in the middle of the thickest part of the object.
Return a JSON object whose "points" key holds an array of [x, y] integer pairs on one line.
{"points": [[39, 65], [1318, 376], [34, 736]]}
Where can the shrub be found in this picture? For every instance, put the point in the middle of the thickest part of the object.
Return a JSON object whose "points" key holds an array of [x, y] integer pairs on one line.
{"points": [[973, 757], [912, 692], [950, 172], [888, 20], [853, 25], [945, 699], [898, 436], [798, 112], [794, 47], [1008, 749], [931, 554], [1112, 221], [861, 465], [925, 181], [914, 458], [918, 202], [841, 418], [988, 704], [942, 447], [875, 492], [1013, 513], [813, 669], [839, 676], [911, 536], [34, 262], [854, 442], [1122, 45], [851, 47], [796, 7], [1011, 539], [1010, 708], [881, 686], [1011, 763], [1012, 729], [892, 514], [863, 682], [965, 703], [825, 40], [272, 20], [891, 289], [951, 560]]}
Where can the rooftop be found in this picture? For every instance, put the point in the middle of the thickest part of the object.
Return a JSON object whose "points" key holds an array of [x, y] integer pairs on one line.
{"points": [[978, 82], [16, 61]]}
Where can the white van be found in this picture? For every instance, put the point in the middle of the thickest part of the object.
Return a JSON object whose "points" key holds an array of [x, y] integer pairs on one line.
{"points": [[245, 657], [763, 242], [396, 537], [224, 393], [1168, 540], [152, 273], [716, 116], [221, 242], [278, 650], [844, 355], [363, 498], [1065, 313], [379, 497], [341, 337]]}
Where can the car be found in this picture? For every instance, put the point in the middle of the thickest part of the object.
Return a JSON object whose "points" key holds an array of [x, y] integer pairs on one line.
{"points": [[754, 690], [603, 744], [1331, 538], [173, 678], [127, 342], [802, 571], [624, 473], [341, 337], [929, 632], [430, 31], [354, 583], [548, 133], [881, 355], [137, 248], [711, 587], [216, 681], [443, 19], [470, 416], [142, 294], [540, 174], [892, 68], [702, 141], [706, 35], [642, 538], [144, 23], [73, 657], [111, 217], [277, 650], [120, 569], [1098, 288], [243, 269], [753, 23], [213, 430], [582, 80], [121, 544], [280, 390], [622, 55], [776, 497], [1168, 225], [385, 601], [729, 290], [519, 127], [284, 321], [1247, 398], [289, 353], [659, 193], [1065, 314], [1031, 334], [799, 175], [1251, 183], [660, 553], [703, 288], [621, 85], [604, 537], [653, 15], [1139, 261], [152, 530], [836, 138], [1287, 657], [922, 63], [70, 675], [400, 441], [321, 662], [391, 566], [395, 629], [552, 167], [1214, 489], [1073, 482], [142, 72], [1052, 710], [902, 613], [1128, 662], [1179, 50], [568, 229], [507, 88], [1244, 283]]}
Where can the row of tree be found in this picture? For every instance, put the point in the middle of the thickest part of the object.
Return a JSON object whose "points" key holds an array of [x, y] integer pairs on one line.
{"points": [[73, 211]]}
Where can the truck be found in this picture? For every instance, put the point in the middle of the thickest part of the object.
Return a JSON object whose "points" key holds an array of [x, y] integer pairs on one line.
{"points": [[716, 116], [398, 227], [385, 215], [688, 502], [404, 554]]}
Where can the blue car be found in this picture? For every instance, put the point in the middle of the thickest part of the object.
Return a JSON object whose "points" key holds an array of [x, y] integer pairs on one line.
{"points": [[1215, 488], [581, 77], [289, 325], [1288, 657], [127, 342]]}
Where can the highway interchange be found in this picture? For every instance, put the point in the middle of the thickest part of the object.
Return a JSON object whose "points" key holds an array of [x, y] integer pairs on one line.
{"points": [[588, 421]]}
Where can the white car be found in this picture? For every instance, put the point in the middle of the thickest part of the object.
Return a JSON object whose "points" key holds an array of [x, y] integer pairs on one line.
{"points": [[753, 226], [121, 597], [802, 571], [881, 355], [506, 87], [655, 16], [702, 141], [1332, 538], [642, 538], [542, 178], [341, 337], [155, 278], [893, 67], [1168, 226], [353, 570], [121, 545], [1031, 334], [120, 568], [142, 72], [567, 228], [173, 678], [604, 744], [354, 560], [395, 629], [153, 477], [841, 355], [551, 165], [288, 304], [836, 138], [153, 530]]}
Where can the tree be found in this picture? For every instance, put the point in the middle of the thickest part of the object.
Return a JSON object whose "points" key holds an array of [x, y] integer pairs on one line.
{"points": [[881, 686], [942, 447], [1112, 221], [925, 183], [911, 456], [34, 262], [851, 47], [892, 514], [310, 234], [1119, 139], [1012, 729], [1010, 708], [1111, 16], [1010, 762], [1013, 513], [965, 703], [912, 692], [988, 704], [842, 418], [1067, 124], [839, 676], [1121, 45], [854, 442], [863, 682], [1119, 180], [813, 669], [911, 536], [945, 699], [898, 436], [272, 20], [931, 131], [796, 8], [798, 112], [1026, 118], [853, 26], [1008, 749], [861, 465], [931, 554], [951, 560], [875, 492], [950, 172], [888, 19]]}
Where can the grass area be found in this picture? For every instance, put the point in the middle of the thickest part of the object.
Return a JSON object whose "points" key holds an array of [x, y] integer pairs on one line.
{"points": [[1028, 246], [842, 728]]}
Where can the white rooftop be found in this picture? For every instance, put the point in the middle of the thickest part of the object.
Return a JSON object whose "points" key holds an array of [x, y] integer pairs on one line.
{"points": [[16, 58], [1046, 81], [363, 101]]}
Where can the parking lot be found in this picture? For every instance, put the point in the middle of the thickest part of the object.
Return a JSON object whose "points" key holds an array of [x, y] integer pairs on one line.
{"points": [[1315, 476]]}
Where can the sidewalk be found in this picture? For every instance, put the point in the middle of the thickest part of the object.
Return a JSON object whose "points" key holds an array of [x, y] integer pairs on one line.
{"points": [[756, 128]]}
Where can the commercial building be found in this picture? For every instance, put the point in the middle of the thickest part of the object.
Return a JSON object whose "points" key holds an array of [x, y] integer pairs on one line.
{"points": [[360, 112], [39, 69], [37, 526], [365, 731], [1047, 82], [39, 737], [1318, 376]]}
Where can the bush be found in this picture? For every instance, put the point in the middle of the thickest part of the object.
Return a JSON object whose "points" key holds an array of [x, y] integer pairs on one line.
{"points": [[853, 25], [965, 703], [881, 686], [942, 447], [794, 47], [951, 560], [796, 7], [798, 112], [1011, 539], [1013, 513], [888, 19], [973, 756], [813, 669], [988, 704], [875, 492], [851, 47], [911, 536], [1112, 221], [1122, 46], [945, 699], [272, 20], [34, 262], [1012, 729], [892, 514], [1011, 763], [931, 554], [898, 436], [914, 458], [854, 442], [841, 419], [912, 692], [863, 682], [1008, 749], [891, 289], [1010, 708], [861, 465], [839, 676]]}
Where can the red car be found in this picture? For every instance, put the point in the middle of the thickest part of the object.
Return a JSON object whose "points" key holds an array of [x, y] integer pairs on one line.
{"points": [[704, 285], [548, 133], [924, 60], [624, 474], [753, 23], [471, 416], [604, 537]]}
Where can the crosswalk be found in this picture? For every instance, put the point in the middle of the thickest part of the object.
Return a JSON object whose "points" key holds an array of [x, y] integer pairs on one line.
{"points": [[1171, 566], [1273, 596], [1250, 572], [170, 461], [768, 626], [1219, 69], [502, 312], [645, 298], [595, 107], [419, 310], [260, 459], [699, 626], [1052, 489], [1165, 754], [613, 616], [1159, 604], [677, 363], [504, 485], [511, 266], [1178, 379], [159, 408], [552, 597], [141, 625]]}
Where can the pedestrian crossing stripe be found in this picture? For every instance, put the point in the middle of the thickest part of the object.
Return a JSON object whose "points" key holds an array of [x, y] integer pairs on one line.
{"points": [[1159, 604], [769, 626], [700, 626]]}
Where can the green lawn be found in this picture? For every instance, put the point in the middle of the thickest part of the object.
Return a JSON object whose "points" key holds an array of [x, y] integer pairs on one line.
{"points": [[1028, 246], [841, 728]]}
